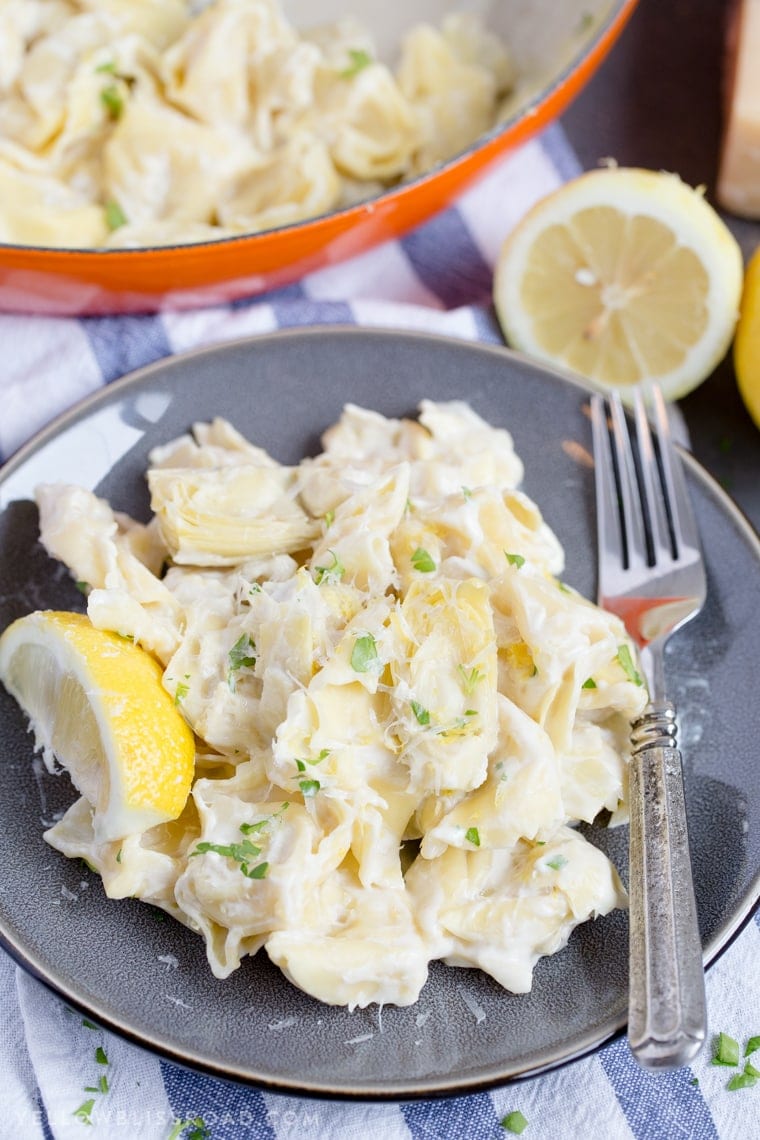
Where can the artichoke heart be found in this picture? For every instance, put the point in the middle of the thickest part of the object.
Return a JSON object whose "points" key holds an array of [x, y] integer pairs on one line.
{"points": [[224, 515]]}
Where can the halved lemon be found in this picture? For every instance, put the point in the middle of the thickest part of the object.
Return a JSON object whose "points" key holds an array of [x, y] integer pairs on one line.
{"points": [[622, 275], [96, 702], [747, 343]]}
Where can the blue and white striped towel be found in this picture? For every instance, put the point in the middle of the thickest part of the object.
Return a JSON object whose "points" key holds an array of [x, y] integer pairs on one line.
{"points": [[437, 279]]}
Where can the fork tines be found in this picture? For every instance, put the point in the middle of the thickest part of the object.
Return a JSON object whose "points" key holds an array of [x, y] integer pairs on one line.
{"points": [[646, 512]]}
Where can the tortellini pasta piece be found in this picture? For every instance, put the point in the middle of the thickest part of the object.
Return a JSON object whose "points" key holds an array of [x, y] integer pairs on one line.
{"points": [[369, 126], [551, 644], [452, 78], [207, 71], [216, 444], [502, 909], [116, 560], [256, 867], [522, 796], [39, 210], [355, 547], [159, 164], [444, 684], [144, 866], [294, 182], [371, 949]]}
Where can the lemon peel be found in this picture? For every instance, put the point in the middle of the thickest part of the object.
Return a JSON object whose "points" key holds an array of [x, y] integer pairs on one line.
{"points": [[622, 275], [96, 703], [747, 342]]}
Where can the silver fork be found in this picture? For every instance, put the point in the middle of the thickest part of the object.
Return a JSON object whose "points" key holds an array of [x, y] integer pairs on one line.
{"points": [[651, 574]]}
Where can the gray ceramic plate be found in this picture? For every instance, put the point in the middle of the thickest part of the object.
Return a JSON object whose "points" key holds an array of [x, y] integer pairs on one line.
{"points": [[105, 957]]}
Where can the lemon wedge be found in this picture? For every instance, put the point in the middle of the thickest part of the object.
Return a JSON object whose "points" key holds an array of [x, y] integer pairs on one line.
{"points": [[95, 701], [747, 342], [622, 275]]}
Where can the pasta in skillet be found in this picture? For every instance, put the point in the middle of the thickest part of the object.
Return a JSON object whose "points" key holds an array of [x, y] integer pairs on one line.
{"points": [[127, 123], [388, 683]]}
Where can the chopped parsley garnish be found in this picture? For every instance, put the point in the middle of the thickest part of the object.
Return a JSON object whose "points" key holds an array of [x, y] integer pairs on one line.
{"points": [[198, 1129], [329, 518], [100, 1055], [243, 853], [101, 1087], [726, 1050], [472, 835], [625, 660], [109, 68], [262, 824], [115, 216], [751, 1071], [422, 561], [84, 1112], [514, 1122], [241, 656], [250, 828], [589, 683], [467, 493], [238, 851], [514, 559], [741, 1081], [301, 763], [182, 690], [364, 656], [752, 1045], [258, 872], [83, 587], [422, 715], [359, 60], [557, 862], [332, 573], [459, 724], [470, 678], [118, 855], [88, 1024], [309, 787], [113, 101]]}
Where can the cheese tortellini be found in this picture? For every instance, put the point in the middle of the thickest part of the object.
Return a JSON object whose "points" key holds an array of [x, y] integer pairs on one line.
{"points": [[128, 123], [400, 709]]}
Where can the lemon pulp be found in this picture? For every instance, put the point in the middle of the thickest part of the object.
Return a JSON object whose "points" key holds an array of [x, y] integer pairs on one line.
{"points": [[621, 276], [96, 702]]}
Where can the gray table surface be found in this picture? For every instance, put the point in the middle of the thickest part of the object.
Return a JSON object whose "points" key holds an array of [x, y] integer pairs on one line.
{"points": [[656, 103]]}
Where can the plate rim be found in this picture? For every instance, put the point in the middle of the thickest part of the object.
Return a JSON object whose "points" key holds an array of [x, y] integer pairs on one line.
{"points": [[443, 1085]]}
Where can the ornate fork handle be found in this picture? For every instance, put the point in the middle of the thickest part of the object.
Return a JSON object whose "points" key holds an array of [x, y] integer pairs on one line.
{"points": [[667, 999]]}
